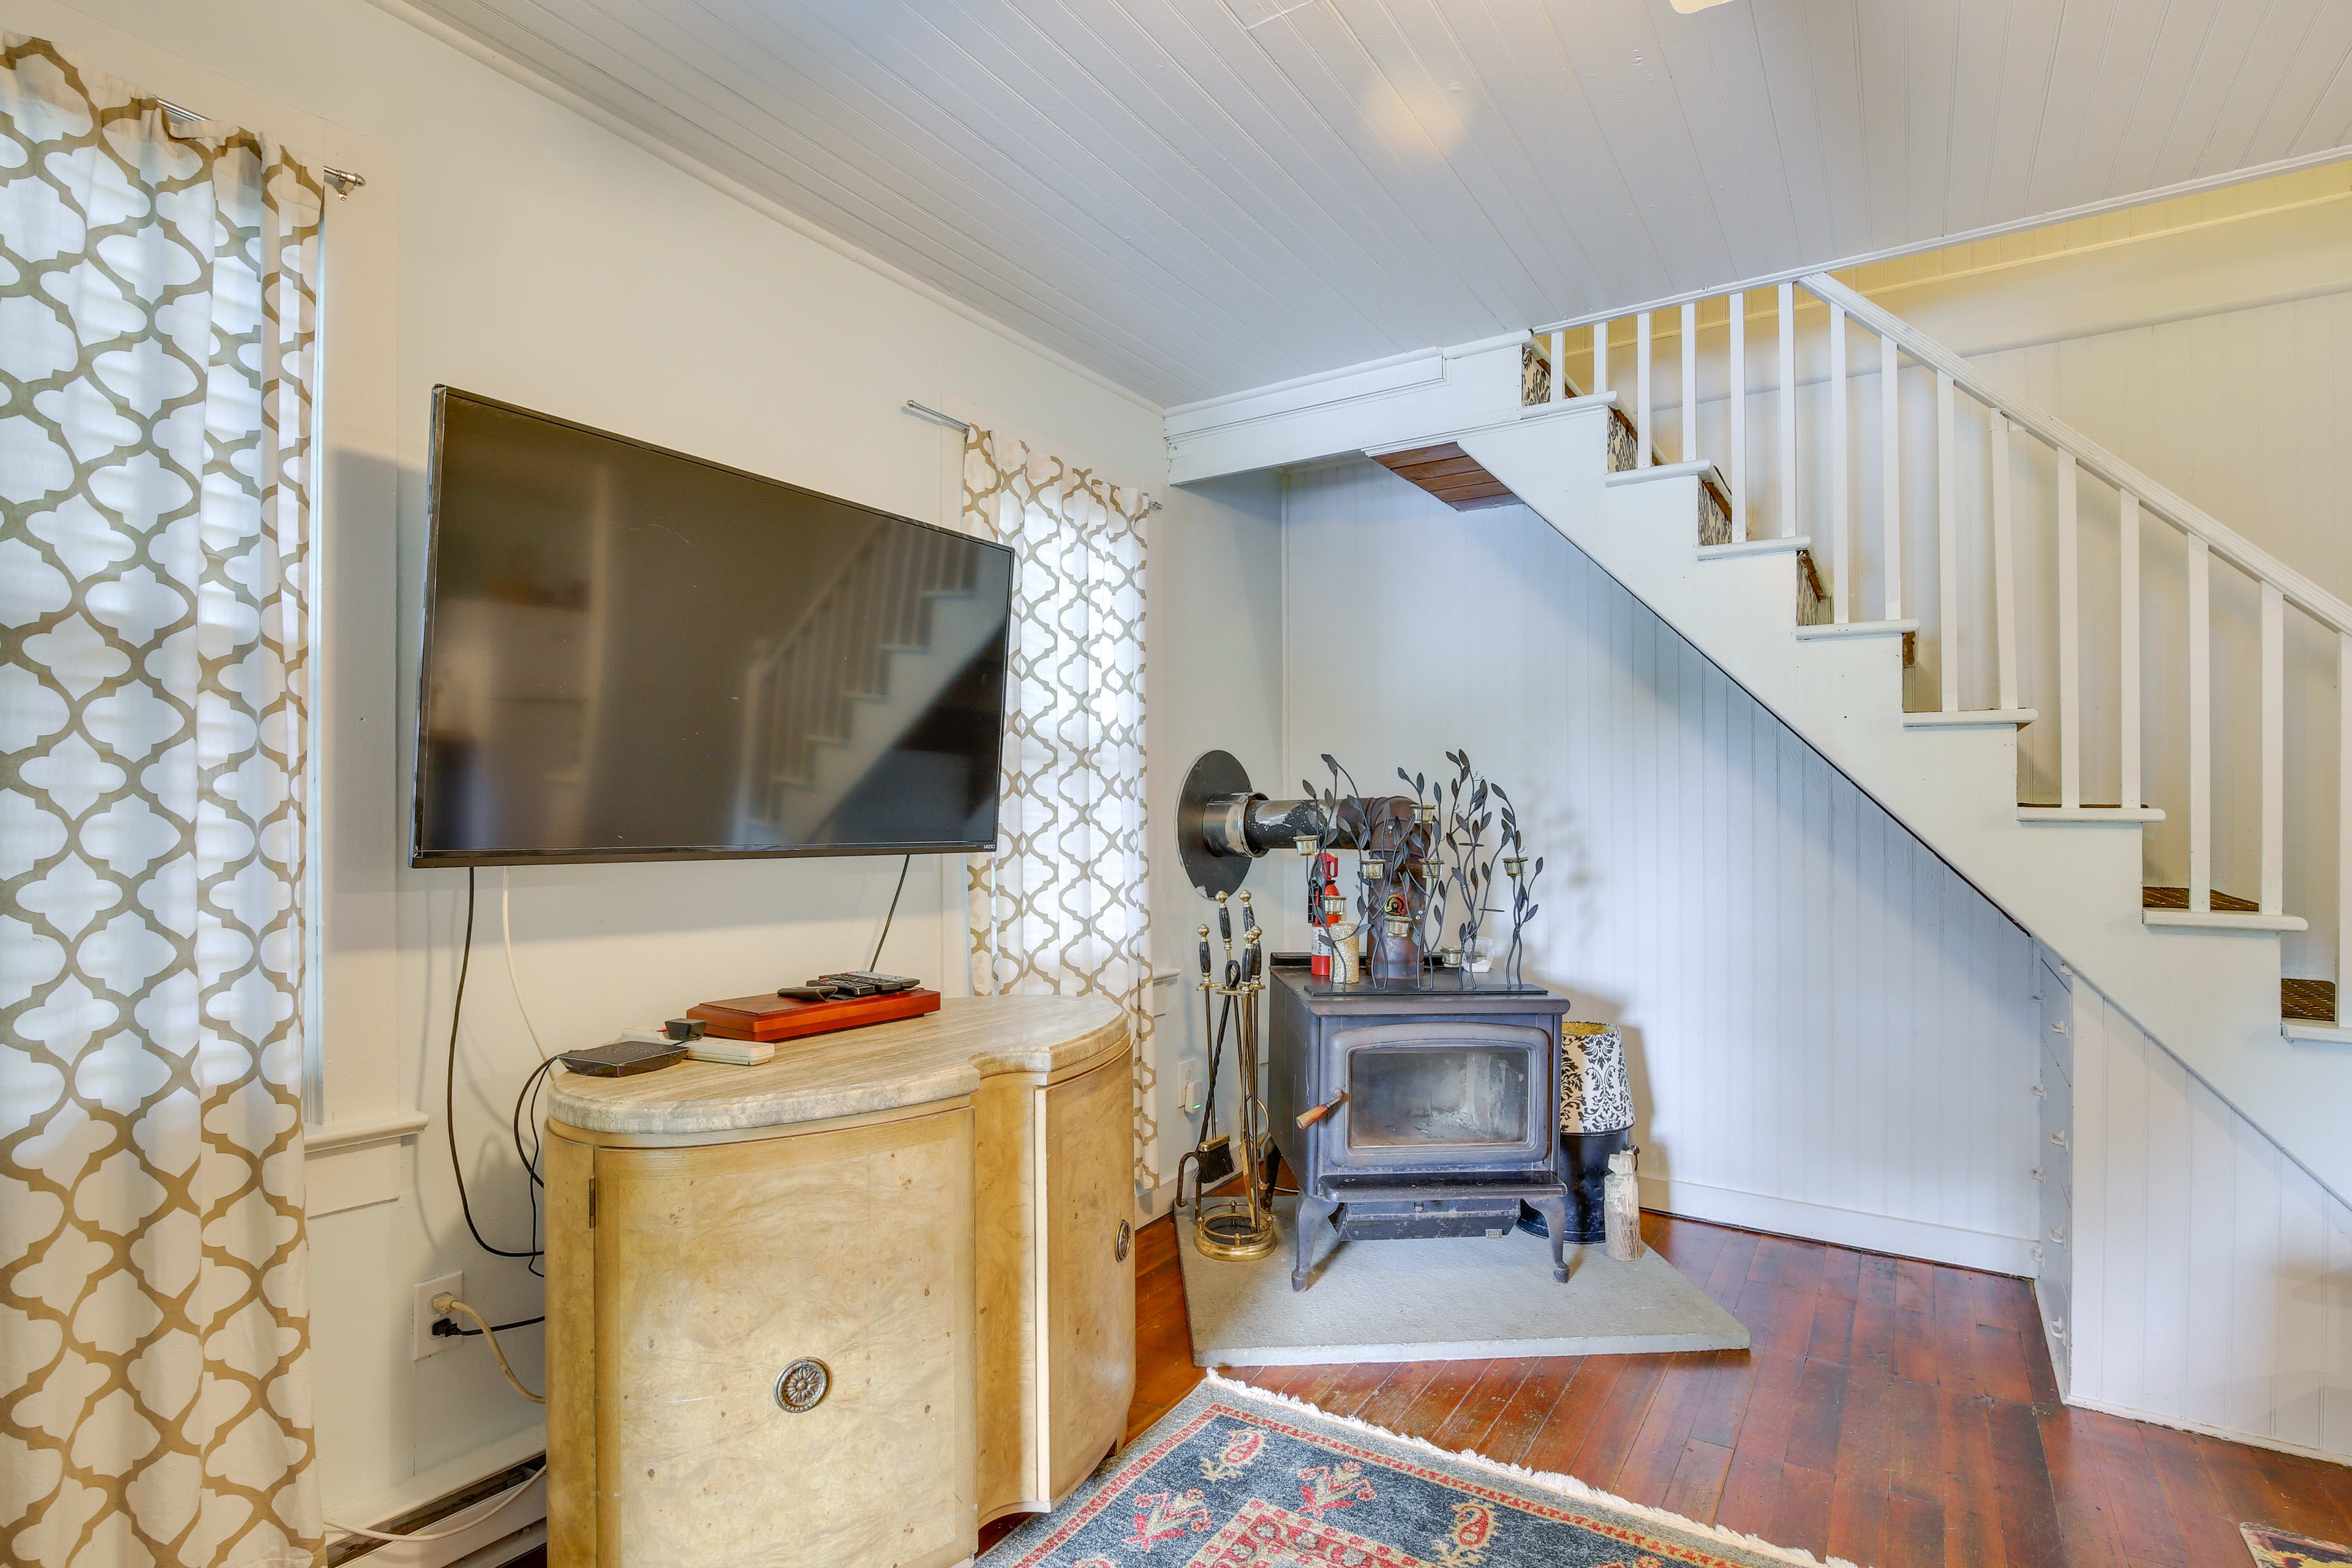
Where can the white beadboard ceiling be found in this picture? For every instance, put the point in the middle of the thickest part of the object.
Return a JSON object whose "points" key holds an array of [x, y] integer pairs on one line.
{"points": [[1196, 197]]}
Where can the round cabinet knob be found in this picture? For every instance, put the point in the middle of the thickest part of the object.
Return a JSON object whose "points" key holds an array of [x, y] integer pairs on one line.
{"points": [[803, 1385], [1119, 1247]]}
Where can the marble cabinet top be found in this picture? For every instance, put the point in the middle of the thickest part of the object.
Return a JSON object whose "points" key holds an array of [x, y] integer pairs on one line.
{"points": [[940, 1056]]}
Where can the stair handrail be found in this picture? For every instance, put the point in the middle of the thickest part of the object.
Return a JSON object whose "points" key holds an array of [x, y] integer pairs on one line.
{"points": [[2152, 495]]}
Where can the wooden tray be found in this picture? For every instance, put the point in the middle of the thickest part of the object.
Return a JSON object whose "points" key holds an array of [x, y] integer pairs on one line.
{"points": [[772, 1017]]}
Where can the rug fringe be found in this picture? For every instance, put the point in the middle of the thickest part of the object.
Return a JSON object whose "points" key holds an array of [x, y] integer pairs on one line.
{"points": [[1548, 1480]]}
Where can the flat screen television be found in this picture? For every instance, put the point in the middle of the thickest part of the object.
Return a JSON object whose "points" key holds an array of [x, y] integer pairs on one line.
{"points": [[631, 654]]}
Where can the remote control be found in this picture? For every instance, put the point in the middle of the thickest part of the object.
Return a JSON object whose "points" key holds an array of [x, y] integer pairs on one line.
{"points": [[878, 981], [847, 986]]}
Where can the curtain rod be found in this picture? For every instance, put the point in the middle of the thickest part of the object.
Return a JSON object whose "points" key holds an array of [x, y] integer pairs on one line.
{"points": [[343, 181]]}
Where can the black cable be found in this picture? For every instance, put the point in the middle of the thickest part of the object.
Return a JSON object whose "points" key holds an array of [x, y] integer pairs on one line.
{"points": [[449, 1092], [878, 941], [444, 1329], [530, 1158]]}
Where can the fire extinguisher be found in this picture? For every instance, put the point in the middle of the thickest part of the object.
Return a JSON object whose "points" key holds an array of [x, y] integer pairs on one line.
{"points": [[1323, 886]]}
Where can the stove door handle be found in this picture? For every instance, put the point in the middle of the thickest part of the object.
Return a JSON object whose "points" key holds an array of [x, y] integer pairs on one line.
{"points": [[1314, 1115]]}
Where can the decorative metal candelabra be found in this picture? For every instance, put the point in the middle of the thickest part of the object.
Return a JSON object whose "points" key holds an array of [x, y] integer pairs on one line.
{"points": [[1234, 1225], [1523, 885]]}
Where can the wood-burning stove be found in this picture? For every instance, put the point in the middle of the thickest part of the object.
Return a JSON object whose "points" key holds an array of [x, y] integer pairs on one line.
{"points": [[1432, 1107]]}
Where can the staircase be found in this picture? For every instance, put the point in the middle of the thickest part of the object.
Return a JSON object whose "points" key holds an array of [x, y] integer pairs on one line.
{"points": [[896, 625], [1803, 549]]}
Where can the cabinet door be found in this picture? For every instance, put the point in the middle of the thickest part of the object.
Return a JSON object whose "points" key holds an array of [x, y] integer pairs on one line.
{"points": [[718, 1267], [1088, 1130]]}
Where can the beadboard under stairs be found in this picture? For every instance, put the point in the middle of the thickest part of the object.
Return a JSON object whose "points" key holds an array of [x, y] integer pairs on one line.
{"points": [[2205, 982]]}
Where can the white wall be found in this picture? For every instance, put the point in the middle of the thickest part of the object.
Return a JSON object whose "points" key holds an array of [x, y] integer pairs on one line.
{"points": [[1216, 685], [2211, 1278], [1830, 1032], [543, 260]]}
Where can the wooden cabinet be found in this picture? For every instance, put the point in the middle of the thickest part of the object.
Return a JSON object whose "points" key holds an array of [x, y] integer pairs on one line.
{"points": [[1089, 1196], [1055, 1383], [717, 1269], [961, 1269]]}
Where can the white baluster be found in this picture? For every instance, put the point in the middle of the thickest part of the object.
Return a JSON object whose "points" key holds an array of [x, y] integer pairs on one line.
{"points": [[1739, 392], [1948, 552], [1890, 438], [2127, 617], [2343, 830], [2004, 568], [1840, 554], [1690, 381], [1559, 366], [1600, 358], [2201, 727], [1788, 411], [2274, 881], [1642, 390], [2070, 637]]}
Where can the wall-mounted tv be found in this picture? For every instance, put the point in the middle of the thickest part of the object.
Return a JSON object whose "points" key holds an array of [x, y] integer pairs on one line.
{"points": [[631, 654]]}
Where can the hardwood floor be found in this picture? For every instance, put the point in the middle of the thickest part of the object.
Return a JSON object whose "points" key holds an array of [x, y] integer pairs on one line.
{"points": [[1893, 1413]]}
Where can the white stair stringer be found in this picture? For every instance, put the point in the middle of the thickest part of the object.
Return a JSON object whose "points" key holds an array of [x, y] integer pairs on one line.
{"points": [[2211, 997]]}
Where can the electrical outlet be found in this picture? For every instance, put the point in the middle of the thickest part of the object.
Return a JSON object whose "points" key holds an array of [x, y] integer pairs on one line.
{"points": [[1188, 1098], [427, 1341]]}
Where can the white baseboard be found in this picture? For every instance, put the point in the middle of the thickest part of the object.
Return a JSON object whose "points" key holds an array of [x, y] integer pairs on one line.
{"points": [[1843, 1227], [2207, 1429], [479, 1529]]}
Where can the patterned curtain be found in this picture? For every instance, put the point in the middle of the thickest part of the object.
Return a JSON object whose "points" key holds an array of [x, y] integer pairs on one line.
{"points": [[1060, 906], [157, 471]]}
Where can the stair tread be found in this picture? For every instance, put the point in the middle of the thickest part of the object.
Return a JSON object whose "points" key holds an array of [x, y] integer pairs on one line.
{"points": [[2178, 899], [2313, 1001]]}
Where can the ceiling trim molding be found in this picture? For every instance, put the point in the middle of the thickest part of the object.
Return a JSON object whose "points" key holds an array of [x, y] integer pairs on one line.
{"points": [[474, 48], [2197, 186]]}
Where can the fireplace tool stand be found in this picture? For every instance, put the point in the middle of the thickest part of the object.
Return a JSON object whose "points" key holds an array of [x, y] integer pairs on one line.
{"points": [[1234, 1226]]}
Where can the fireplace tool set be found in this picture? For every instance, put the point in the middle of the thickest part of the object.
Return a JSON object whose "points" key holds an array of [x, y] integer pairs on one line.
{"points": [[1231, 1226]]}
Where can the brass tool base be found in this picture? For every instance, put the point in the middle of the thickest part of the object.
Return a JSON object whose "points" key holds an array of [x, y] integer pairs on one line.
{"points": [[1232, 1230]]}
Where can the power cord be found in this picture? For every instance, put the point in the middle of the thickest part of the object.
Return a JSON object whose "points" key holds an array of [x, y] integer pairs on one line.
{"points": [[503, 1498], [449, 1103], [876, 962], [443, 1329], [444, 1303]]}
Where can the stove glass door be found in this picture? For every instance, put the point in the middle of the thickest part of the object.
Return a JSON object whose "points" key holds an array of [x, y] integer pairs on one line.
{"points": [[1451, 1095], [1455, 1095]]}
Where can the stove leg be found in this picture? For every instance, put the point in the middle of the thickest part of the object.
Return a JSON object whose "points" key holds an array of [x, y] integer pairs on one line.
{"points": [[1312, 1212], [1554, 1213]]}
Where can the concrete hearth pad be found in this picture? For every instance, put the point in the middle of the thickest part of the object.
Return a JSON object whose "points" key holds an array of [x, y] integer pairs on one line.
{"points": [[1453, 1300]]}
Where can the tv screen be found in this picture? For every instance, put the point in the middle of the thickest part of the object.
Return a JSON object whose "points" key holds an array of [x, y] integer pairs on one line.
{"points": [[631, 654]]}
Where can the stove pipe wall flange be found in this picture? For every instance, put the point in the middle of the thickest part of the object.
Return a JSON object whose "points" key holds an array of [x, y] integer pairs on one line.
{"points": [[1223, 824]]}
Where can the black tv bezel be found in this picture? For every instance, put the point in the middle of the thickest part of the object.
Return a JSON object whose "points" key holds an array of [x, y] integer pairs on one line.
{"points": [[419, 858]]}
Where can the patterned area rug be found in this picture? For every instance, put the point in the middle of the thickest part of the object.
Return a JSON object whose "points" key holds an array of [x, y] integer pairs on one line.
{"points": [[2276, 1548], [1236, 1478]]}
